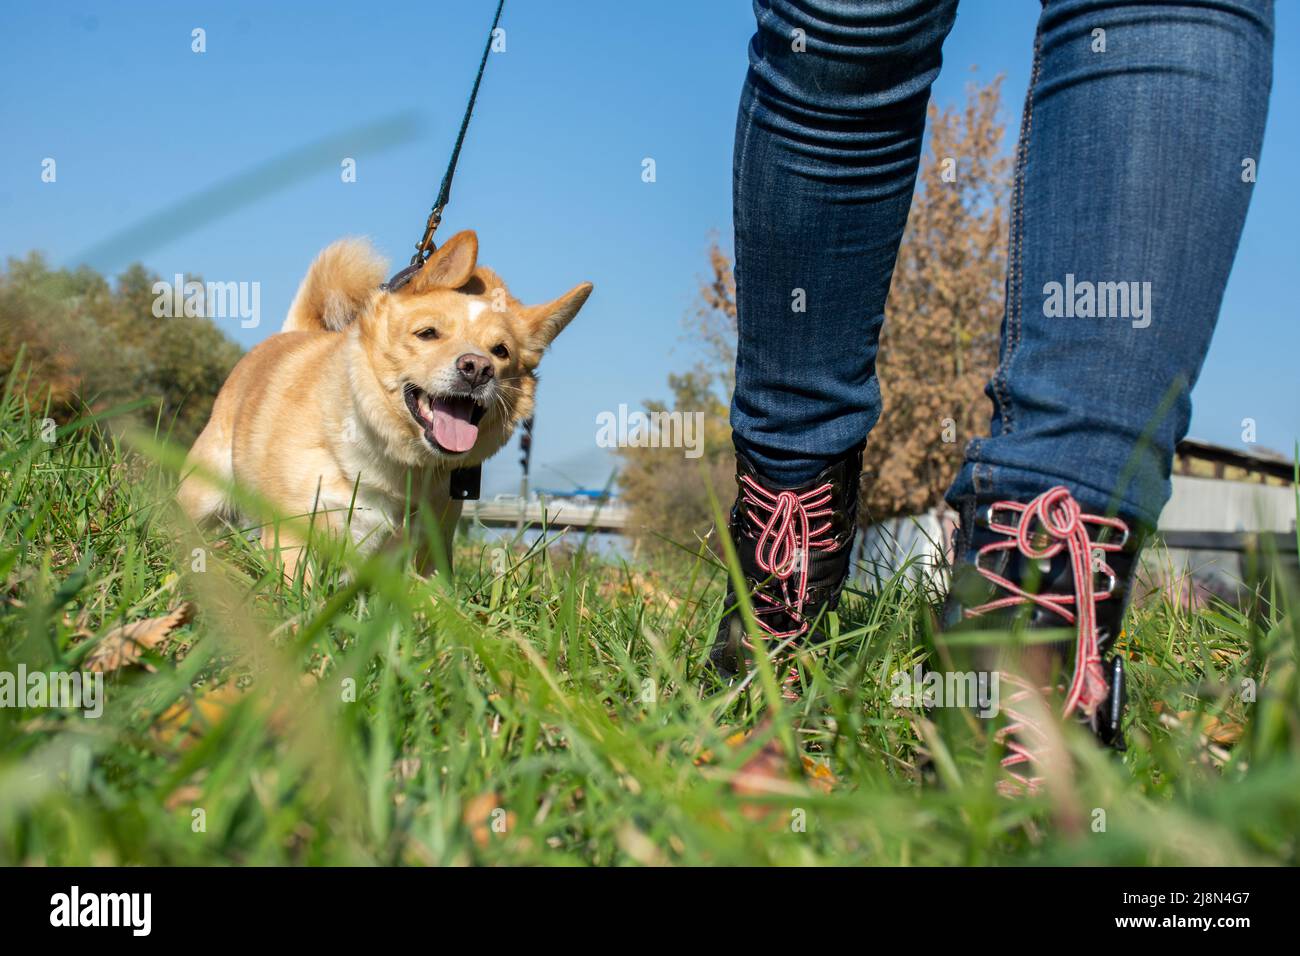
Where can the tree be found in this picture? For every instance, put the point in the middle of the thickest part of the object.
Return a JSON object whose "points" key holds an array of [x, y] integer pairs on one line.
{"points": [[89, 345], [666, 491], [32, 326], [940, 342]]}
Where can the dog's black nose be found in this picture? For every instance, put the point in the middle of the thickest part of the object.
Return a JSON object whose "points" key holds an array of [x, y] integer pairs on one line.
{"points": [[475, 369]]}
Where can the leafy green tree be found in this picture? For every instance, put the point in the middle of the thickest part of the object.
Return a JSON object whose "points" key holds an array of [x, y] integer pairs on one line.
{"points": [[87, 344]]}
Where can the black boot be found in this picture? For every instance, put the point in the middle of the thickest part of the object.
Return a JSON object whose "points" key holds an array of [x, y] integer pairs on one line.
{"points": [[795, 545], [1045, 564]]}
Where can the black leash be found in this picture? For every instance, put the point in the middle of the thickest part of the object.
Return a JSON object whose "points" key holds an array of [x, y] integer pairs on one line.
{"points": [[424, 248], [465, 482]]}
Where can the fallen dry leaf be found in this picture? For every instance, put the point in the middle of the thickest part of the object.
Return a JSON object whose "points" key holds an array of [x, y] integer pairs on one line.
{"points": [[757, 775], [1214, 736], [481, 813], [183, 796], [123, 645], [819, 775], [766, 773], [191, 716], [1225, 733]]}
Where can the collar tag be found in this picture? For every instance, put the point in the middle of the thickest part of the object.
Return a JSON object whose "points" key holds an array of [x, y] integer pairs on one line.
{"points": [[465, 483]]}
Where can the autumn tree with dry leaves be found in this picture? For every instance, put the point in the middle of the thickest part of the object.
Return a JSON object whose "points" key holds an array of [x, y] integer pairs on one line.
{"points": [[940, 341]]}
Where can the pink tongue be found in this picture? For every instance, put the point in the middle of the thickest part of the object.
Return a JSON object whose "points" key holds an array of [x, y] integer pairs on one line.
{"points": [[451, 425]]}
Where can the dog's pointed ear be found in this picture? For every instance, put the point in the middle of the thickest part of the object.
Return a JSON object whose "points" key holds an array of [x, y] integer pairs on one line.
{"points": [[450, 267], [548, 320]]}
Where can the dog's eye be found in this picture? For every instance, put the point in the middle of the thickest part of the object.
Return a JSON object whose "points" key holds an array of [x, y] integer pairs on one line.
{"points": [[427, 334], [500, 351]]}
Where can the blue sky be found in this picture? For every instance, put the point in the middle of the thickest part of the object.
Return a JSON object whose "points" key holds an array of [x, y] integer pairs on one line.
{"points": [[550, 176]]}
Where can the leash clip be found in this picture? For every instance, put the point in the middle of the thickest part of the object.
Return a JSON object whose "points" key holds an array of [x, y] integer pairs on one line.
{"points": [[424, 248]]}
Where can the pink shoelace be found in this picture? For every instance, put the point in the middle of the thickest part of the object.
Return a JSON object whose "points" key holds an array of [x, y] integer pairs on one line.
{"points": [[787, 531], [1055, 519]]}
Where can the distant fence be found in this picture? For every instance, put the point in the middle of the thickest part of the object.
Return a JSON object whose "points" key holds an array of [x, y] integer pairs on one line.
{"points": [[508, 512], [1282, 543]]}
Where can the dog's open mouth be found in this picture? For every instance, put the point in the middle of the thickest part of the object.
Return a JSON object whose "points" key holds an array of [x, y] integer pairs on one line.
{"points": [[450, 422]]}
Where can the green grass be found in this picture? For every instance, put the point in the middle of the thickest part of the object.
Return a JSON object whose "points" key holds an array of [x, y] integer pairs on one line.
{"points": [[562, 698]]}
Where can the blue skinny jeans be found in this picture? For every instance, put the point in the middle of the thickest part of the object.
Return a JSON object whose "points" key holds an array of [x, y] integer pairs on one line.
{"points": [[1131, 183]]}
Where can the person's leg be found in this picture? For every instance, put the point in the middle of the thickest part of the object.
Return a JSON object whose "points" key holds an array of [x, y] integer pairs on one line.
{"points": [[828, 139], [1129, 199], [1142, 123]]}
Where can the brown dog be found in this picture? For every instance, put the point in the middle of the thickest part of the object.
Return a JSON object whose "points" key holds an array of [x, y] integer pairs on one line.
{"points": [[368, 396]]}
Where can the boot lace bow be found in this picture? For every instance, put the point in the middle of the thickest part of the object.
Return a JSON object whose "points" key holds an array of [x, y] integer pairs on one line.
{"points": [[1048, 525]]}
